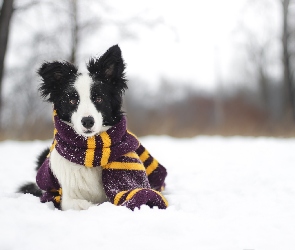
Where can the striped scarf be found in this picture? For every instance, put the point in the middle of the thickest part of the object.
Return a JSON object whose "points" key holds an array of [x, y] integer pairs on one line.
{"points": [[98, 150], [130, 175]]}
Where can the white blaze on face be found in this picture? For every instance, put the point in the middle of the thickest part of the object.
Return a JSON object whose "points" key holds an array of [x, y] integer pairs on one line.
{"points": [[86, 108]]}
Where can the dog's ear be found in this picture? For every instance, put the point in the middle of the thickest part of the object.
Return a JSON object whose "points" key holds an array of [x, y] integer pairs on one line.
{"points": [[55, 75], [109, 68]]}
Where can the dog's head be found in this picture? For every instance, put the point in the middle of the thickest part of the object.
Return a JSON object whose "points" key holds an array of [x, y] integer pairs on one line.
{"points": [[87, 101]]}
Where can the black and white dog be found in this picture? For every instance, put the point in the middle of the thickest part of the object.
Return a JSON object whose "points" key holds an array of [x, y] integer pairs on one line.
{"points": [[90, 103], [93, 158]]}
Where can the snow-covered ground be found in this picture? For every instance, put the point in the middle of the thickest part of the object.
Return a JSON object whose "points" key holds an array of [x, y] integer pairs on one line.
{"points": [[224, 193]]}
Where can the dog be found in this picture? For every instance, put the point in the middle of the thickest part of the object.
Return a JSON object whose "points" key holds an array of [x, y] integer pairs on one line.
{"points": [[93, 157]]}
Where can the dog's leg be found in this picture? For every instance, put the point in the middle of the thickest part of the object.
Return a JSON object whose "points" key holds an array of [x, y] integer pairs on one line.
{"points": [[68, 203]]}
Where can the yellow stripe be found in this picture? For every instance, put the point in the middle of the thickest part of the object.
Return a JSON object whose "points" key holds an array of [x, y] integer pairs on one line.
{"points": [[131, 134], [54, 114], [57, 199], [132, 155], [124, 166], [144, 156], [118, 197], [134, 136], [152, 167], [52, 147], [89, 156], [163, 198], [132, 193], [106, 151], [54, 142]]}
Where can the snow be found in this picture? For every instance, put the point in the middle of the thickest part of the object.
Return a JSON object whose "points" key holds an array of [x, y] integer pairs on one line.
{"points": [[223, 193]]}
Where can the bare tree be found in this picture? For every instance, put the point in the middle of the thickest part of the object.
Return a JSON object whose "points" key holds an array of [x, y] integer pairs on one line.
{"points": [[75, 22], [5, 17], [258, 56], [262, 65], [74, 30], [288, 78]]}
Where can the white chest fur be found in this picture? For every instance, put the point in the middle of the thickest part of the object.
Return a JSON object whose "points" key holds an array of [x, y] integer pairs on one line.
{"points": [[81, 186]]}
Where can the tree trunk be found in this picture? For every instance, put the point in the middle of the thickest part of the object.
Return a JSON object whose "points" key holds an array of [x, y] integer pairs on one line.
{"points": [[5, 17], [289, 108], [74, 30]]}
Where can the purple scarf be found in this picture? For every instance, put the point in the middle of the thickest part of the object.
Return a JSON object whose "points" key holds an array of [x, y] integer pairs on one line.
{"points": [[98, 150], [131, 176]]}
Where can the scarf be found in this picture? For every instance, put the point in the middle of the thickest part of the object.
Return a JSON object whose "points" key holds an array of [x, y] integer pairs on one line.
{"points": [[131, 176], [98, 150]]}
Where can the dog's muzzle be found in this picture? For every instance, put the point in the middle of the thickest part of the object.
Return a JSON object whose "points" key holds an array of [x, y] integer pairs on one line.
{"points": [[87, 122]]}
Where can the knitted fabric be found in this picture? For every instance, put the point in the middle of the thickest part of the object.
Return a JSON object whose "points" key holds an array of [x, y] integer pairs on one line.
{"points": [[130, 175]]}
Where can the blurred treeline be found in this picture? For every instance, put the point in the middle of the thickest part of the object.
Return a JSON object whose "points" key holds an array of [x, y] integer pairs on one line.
{"points": [[260, 101]]}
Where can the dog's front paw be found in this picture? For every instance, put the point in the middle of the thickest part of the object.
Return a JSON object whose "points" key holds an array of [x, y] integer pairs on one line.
{"points": [[75, 204], [144, 196]]}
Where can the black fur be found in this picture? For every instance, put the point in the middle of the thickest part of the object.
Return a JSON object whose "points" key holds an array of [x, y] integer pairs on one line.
{"points": [[109, 68], [57, 87], [41, 158], [109, 84], [30, 188], [108, 76], [56, 77]]}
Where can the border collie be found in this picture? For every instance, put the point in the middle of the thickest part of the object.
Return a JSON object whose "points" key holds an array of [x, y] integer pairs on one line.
{"points": [[93, 158]]}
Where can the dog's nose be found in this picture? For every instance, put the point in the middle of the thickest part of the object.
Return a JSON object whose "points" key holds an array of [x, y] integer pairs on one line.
{"points": [[87, 122]]}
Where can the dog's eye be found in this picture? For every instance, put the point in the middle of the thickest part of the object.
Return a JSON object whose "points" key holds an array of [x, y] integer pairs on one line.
{"points": [[98, 100], [74, 101]]}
